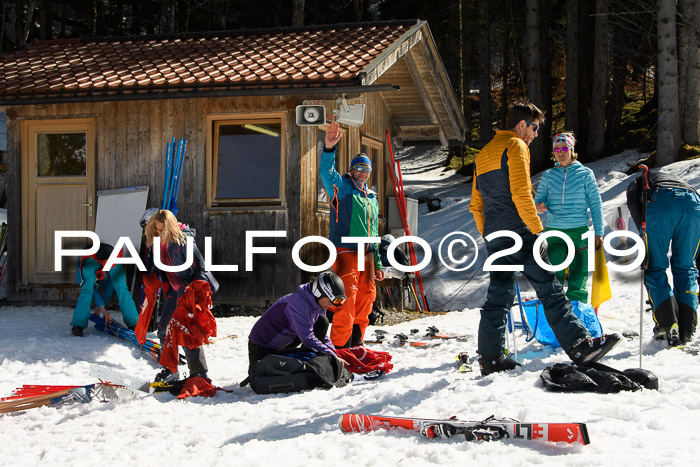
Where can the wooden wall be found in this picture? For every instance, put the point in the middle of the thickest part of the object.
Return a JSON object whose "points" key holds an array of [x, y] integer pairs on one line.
{"points": [[315, 218], [131, 139]]}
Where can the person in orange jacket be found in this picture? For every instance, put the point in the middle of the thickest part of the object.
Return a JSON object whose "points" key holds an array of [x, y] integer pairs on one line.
{"points": [[502, 201]]}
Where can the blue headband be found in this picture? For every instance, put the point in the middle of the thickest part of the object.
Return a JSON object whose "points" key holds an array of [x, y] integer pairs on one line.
{"points": [[361, 159]]}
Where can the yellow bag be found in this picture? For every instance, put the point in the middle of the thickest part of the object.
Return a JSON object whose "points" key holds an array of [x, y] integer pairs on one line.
{"points": [[601, 282]]}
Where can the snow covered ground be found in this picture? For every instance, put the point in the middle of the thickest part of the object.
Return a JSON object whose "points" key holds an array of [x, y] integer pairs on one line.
{"points": [[241, 428]]}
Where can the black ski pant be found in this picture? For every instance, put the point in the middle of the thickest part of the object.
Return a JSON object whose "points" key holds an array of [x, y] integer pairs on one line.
{"points": [[501, 293], [257, 352]]}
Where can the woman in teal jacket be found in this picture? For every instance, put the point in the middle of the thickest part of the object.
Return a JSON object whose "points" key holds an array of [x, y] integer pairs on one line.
{"points": [[90, 276], [567, 191]]}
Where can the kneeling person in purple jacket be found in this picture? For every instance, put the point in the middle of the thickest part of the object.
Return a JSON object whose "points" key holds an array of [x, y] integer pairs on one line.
{"points": [[298, 318]]}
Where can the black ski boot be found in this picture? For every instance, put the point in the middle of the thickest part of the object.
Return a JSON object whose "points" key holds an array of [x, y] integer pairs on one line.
{"points": [[490, 365], [77, 331], [356, 338], [165, 375], [591, 349], [687, 321]]}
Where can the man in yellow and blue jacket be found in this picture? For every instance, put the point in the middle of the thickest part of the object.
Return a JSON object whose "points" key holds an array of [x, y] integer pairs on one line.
{"points": [[502, 200]]}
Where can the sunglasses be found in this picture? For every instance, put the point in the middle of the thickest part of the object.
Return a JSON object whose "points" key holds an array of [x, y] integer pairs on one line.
{"points": [[337, 301], [363, 168], [564, 149], [537, 126]]}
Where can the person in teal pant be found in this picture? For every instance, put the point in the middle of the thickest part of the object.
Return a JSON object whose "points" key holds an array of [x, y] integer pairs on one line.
{"points": [[567, 191], [91, 276], [672, 222]]}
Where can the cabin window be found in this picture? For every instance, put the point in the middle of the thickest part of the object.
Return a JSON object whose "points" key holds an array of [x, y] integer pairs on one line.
{"points": [[248, 162]]}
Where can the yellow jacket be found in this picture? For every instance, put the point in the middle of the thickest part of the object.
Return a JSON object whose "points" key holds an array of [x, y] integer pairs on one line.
{"points": [[502, 196]]}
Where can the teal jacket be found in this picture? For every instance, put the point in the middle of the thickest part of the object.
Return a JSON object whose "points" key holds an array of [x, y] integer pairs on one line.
{"points": [[568, 193], [354, 208]]}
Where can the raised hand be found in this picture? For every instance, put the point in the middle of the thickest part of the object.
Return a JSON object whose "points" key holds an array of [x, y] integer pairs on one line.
{"points": [[333, 135]]}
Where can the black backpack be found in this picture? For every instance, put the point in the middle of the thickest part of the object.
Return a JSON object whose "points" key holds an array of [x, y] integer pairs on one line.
{"points": [[277, 374]]}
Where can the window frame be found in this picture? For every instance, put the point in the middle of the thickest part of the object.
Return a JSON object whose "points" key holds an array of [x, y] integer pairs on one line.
{"points": [[377, 168], [213, 123]]}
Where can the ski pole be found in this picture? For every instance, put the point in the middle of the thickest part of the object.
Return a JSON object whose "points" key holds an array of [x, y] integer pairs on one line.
{"points": [[645, 194], [173, 202], [174, 175], [166, 181]]}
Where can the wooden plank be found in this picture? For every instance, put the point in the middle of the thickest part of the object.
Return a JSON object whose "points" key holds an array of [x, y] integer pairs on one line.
{"points": [[425, 98]]}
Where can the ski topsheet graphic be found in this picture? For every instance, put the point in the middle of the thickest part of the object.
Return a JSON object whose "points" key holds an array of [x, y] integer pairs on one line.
{"points": [[487, 430]]}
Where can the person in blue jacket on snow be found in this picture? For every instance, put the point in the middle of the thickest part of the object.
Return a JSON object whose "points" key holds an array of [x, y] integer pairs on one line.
{"points": [[672, 221], [297, 319], [566, 192], [92, 277]]}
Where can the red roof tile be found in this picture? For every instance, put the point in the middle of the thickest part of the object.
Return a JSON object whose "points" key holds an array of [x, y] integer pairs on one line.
{"points": [[330, 55]]}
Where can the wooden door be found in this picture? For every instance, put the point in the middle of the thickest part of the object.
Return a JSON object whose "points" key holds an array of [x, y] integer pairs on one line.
{"points": [[58, 193]]}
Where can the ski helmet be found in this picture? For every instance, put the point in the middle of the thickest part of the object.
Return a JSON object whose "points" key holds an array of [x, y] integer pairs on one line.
{"points": [[329, 285]]}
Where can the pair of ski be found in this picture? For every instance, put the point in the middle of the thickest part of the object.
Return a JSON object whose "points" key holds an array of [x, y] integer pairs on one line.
{"points": [[134, 383], [32, 396], [402, 339], [174, 159], [490, 429], [117, 329], [3, 250]]}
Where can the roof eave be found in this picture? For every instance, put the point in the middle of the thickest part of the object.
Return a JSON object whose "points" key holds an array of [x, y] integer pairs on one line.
{"points": [[348, 88], [391, 55]]}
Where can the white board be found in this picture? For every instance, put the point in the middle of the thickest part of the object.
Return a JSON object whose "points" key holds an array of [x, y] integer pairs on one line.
{"points": [[118, 214]]}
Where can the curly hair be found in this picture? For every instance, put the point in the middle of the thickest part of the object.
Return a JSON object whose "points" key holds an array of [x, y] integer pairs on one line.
{"points": [[170, 233]]}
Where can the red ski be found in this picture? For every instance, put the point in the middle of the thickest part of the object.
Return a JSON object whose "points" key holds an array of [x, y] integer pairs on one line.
{"points": [[487, 430]]}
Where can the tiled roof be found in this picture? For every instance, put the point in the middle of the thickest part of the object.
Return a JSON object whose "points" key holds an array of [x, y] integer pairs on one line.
{"points": [[313, 56]]}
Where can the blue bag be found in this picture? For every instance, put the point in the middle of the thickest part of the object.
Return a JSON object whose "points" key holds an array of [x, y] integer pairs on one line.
{"points": [[534, 319]]}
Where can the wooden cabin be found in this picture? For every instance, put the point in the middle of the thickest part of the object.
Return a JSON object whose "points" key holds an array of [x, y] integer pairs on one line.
{"points": [[92, 114]]}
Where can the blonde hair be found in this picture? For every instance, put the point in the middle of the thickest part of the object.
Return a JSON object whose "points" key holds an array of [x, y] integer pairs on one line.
{"points": [[171, 232], [568, 135]]}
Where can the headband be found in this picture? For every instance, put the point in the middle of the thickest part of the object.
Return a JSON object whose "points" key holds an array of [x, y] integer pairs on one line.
{"points": [[563, 138]]}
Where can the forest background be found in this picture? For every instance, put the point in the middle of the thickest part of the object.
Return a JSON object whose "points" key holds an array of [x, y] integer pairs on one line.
{"points": [[620, 74]]}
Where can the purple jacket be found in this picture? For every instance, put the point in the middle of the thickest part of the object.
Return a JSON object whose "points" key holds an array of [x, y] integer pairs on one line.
{"points": [[290, 317]]}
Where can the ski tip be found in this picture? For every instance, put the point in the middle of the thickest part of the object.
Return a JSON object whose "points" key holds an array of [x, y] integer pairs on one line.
{"points": [[585, 439]]}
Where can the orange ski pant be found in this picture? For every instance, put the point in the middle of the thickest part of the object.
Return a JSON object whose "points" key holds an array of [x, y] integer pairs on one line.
{"points": [[361, 291]]}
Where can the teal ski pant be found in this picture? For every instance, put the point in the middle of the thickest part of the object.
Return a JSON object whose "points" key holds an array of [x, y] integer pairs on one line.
{"points": [[114, 281], [673, 218], [578, 269]]}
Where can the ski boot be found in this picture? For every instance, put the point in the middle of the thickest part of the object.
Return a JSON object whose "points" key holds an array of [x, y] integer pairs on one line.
{"points": [[591, 349], [165, 375], [77, 331], [490, 365]]}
